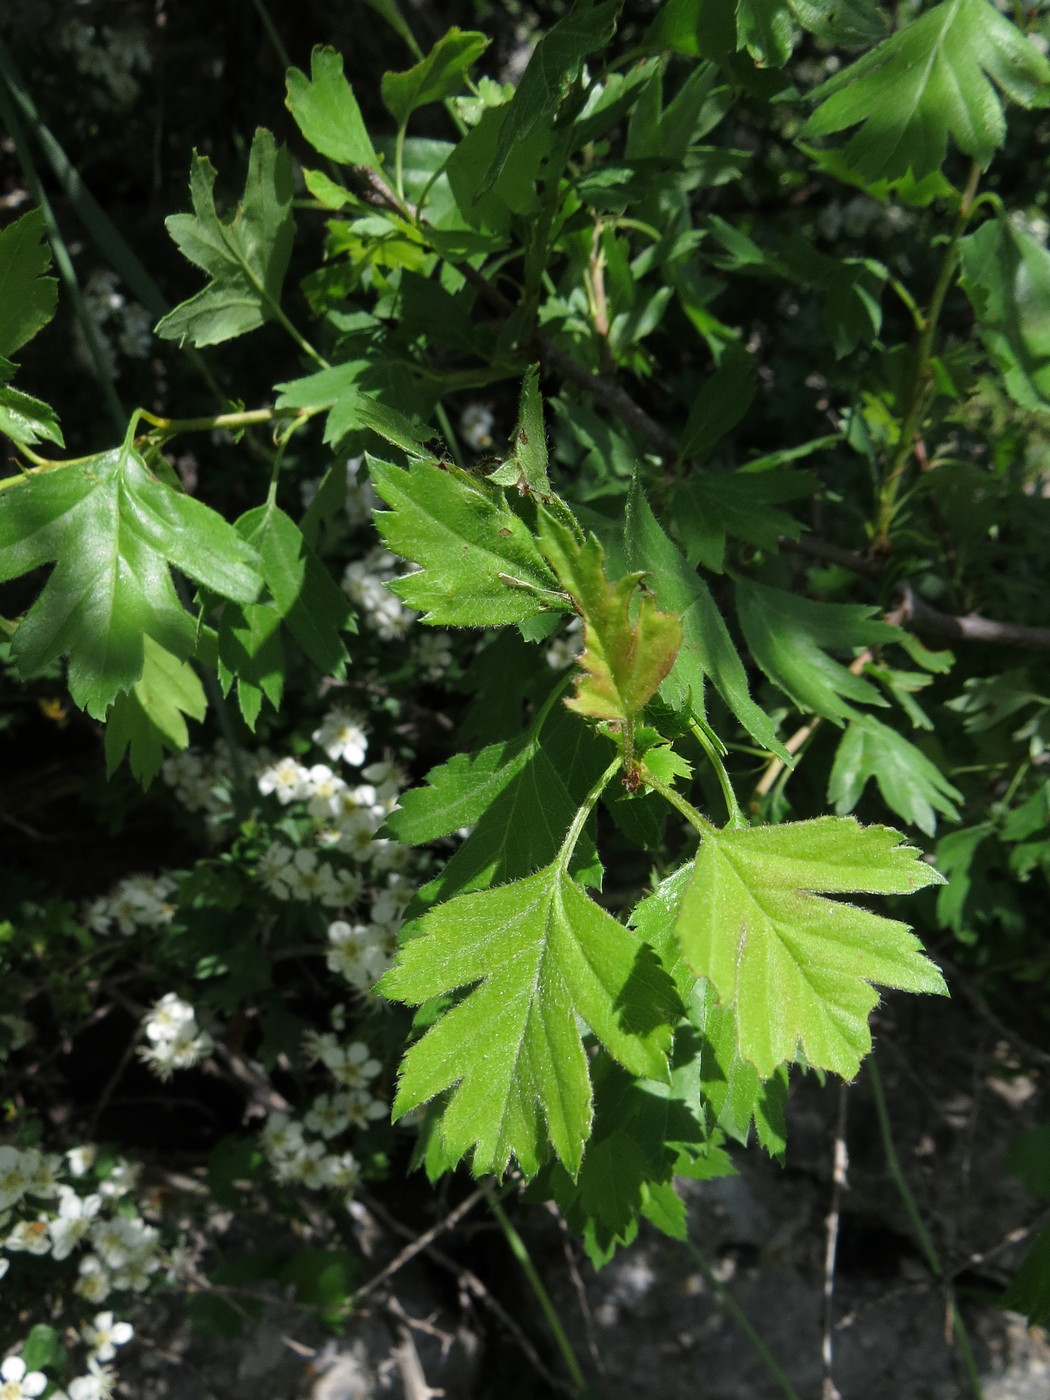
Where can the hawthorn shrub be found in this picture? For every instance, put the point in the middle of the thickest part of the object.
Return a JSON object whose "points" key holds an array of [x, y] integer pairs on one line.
{"points": [[569, 635]]}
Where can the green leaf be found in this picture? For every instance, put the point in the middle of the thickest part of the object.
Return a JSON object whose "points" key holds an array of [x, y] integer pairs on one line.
{"points": [[1006, 275], [723, 400], [27, 297], [149, 719], [441, 74], [710, 505], [308, 600], [910, 784], [250, 652], [766, 28], [957, 859], [527, 810], [797, 969], [326, 111], [527, 468], [707, 649], [787, 634], [26, 420], [457, 793], [555, 65], [730, 1087], [480, 563], [927, 82], [43, 1349], [112, 529], [336, 387], [1029, 1291], [246, 259], [628, 648], [542, 954]]}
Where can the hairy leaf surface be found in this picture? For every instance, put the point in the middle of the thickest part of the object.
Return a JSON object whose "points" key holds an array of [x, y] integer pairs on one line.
{"points": [[480, 563], [627, 650], [798, 969], [542, 954]]}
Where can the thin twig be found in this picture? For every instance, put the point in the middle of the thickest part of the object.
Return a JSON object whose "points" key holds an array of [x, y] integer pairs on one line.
{"points": [[421, 1242], [472, 1284], [581, 1292]]}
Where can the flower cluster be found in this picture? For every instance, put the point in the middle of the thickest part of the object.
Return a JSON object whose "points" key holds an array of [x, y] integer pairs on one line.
{"points": [[118, 324], [43, 1214], [201, 780], [139, 901], [111, 56], [175, 1039], [365, 580], [301, 1150]]}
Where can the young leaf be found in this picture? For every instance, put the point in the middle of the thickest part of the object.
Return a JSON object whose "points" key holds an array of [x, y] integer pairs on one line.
{"points": [[480, 564], [27, 297], [797, 969], [246, 259], [527, 468], [624, 658], [542, 954], [707, 649], [556, 63], [439, 75], [1006, 275], [251, 654], [150, 717], [927, 82], [910, 784], [787, 634], [112, 529], [326, 111]]}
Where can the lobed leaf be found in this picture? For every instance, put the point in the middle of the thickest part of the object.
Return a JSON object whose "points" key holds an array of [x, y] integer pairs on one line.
{"points": [[480, 563], [787, 635], [439, 75], [707, 650], [326, 111], [910, 784], [245, 259], [112, 530], [934, 78], [150, 718], [27, 297], [543, 955], [796, 969]]}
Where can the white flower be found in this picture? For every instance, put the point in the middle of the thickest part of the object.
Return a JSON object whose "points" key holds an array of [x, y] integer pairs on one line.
{"points": [[168, 1016], [329, 1115], [287, 780], [96, 1385], [31, 1235], [15, 1168], [352, 1065], [81, 1159], [282, 1137], [93, 1283], [342, 736], [103, 1336], [16, 1382], [344, 1172], [363, 1109], [432, 654], [75, 1214]]}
